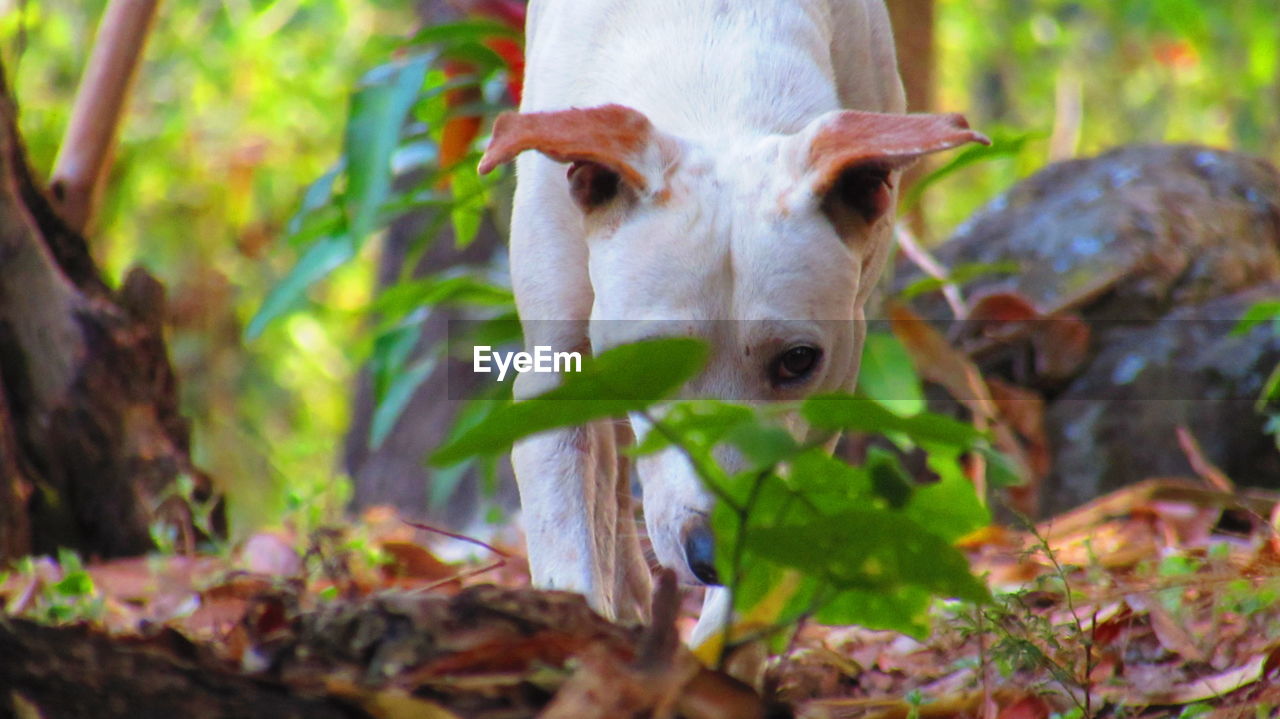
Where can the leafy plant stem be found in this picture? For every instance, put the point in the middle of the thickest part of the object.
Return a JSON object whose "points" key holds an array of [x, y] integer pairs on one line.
{"points": [[1084, 682], [739, 547]]}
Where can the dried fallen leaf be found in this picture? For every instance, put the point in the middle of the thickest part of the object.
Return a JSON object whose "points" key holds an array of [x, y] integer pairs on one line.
{"points": [[412, 561], [1028, 707], [607, 685], [938, 361], [1198, 690], [270, 554], [503, 655], [999, 307], [1271, 667], [1061, 346], [1172, 635], [388, 703]]}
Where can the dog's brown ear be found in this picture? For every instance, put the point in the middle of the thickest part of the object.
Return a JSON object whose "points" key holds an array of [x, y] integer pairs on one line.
{"points": [[852, 153], [605, 145]]}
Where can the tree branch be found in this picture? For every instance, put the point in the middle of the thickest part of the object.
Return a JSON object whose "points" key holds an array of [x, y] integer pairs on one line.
{"points": [[87, 147]]}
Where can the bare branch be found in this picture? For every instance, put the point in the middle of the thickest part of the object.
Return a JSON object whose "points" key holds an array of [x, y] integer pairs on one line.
{"points": [[87, 147]]}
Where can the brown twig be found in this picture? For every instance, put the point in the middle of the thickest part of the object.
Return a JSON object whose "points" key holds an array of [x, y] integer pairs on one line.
{"points": [[461, 576], [1200, 464], [465, 574], [931, 267], [660, 639], [87, 147], [455, 535]]}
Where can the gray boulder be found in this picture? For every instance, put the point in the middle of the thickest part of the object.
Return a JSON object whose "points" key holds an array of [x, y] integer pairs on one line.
{"points": [[1160, 249]]}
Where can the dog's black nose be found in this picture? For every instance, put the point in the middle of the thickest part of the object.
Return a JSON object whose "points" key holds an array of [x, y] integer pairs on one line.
{"points": [[700, 551]]}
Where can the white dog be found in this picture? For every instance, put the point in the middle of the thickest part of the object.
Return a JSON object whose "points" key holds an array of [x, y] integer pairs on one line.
{"points": [[694, 163]]}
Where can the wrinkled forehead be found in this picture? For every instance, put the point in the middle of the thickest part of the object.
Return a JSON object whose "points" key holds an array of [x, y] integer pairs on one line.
{"points": [[785, 255], [736, 237], [756, 176]]}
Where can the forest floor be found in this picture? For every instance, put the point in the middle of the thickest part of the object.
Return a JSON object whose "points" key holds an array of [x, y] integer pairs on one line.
{"points": [[1162, 599]]}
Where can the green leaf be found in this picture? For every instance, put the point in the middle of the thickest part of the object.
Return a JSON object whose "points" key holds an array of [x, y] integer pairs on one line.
{"points": [[869, 550], [830, 483], [700, 422], [328, 220], [378, 112], [767, 501], [1002, 146], [888, 376], [959, 275], [905, 610], [763, 445], [1185, 17], [480, 56], [470, 202], [950, 507], [860, 562], [889, 479], [318, 261], [624, 379], [391, 405], [317, 195], [843, 412], [1002, 471], [1265, 311], [464, 31], [75, 584], [759, 583], [1270, 391], [444, 481], [499, 331], [405, 297], [391, 349]]}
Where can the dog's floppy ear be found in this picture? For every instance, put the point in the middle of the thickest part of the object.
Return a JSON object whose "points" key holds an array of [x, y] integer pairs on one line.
{"points": [[605, 145], [851, 154]]}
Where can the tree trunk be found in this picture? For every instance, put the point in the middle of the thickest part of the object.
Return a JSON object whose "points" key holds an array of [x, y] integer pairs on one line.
{"points": [[395, 473], [91, 441], [913, 23]]}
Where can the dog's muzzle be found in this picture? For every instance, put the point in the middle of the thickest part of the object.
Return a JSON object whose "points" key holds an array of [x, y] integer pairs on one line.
{"points": [[700, 550]]}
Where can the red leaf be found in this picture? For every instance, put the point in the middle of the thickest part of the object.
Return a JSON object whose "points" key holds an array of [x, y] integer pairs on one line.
{"points": [[1029, 707], [1003, 307], [1062, 346]]}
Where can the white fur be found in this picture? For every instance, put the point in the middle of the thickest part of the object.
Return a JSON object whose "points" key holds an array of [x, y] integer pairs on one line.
{"points": [[737, 88]]}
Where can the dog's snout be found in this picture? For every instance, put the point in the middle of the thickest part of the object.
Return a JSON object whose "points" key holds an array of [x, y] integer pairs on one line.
{"points": [[700, 551]]}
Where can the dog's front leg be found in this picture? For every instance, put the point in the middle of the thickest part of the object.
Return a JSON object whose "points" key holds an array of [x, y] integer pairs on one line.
{"points": [[573, 487], [563, 479], [632, 580], [575, 500]]}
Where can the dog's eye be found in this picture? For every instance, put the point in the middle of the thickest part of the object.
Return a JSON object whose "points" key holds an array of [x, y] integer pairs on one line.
{"points": [[592, 185], [793, 365], [865, 190]]}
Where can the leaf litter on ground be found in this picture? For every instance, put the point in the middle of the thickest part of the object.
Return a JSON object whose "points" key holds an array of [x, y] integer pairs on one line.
{"points": [[1160, 597]]}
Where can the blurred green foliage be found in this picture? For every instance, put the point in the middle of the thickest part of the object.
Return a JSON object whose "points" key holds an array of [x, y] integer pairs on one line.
{"points": [[238, 106], [1137, 70], [242, 104], [1268, 401]]}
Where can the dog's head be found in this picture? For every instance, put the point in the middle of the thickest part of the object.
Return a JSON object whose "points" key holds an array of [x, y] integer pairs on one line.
{"points": [[765, 247]]}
